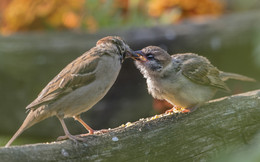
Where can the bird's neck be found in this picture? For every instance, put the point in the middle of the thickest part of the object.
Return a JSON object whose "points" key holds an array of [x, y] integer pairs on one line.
{"points": [[167, 70]]}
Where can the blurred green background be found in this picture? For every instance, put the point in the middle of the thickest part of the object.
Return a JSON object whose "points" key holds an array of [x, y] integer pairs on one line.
{"points": [[39, 38]]}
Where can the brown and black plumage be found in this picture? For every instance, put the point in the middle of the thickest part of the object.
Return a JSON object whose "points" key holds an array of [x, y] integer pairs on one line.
{"points": [[79, 86], [184, 80]]}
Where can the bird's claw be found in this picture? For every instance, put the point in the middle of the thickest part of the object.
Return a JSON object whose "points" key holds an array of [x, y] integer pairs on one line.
{"points": [[176, 109], [75, 138], [95, 132], [101, 131]]}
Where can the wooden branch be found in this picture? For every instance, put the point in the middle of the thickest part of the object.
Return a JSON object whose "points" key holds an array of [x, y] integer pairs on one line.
{"points": [[224, 124]]}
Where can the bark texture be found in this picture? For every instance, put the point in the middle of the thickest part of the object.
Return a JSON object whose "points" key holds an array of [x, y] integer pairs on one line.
{"points": [[222, 125]]}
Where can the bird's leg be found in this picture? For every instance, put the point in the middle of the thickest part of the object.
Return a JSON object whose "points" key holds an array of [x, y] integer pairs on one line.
{"points": [[67, 133], [177, 109], [90, 130], [185, 110]]}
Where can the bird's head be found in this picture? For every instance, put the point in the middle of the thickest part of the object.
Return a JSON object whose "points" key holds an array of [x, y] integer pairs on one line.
{"points": [[154, 60], [119, 44]]}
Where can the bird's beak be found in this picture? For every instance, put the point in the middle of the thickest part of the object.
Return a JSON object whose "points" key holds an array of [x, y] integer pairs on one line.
{"points": [[139, 56], [136, 55], [130, 53]]}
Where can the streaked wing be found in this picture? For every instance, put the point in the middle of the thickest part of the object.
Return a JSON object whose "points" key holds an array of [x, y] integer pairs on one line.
{"points": [[201, 71], [78, 73]]}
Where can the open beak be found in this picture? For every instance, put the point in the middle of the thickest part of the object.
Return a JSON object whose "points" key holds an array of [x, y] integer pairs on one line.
{"points": [[139, 56], [130, 53]]}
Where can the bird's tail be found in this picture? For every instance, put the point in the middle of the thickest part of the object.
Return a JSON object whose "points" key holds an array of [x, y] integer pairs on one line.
{"points": [[225, 76], [32, 118]]}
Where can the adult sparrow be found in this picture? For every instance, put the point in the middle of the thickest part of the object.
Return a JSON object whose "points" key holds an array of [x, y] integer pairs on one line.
{"points": [[185, 80], [79, 86]]}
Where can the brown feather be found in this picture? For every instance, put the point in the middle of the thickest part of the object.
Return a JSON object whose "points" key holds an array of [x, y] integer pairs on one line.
{"points": [[70, 78], [200, 70]]}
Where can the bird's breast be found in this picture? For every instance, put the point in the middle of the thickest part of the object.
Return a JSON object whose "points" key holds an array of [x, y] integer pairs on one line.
{"points": [[85, 97], [180, 91]]}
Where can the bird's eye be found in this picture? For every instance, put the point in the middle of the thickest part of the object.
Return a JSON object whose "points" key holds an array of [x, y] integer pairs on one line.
{"points": [[149, 56], [122, 49]]}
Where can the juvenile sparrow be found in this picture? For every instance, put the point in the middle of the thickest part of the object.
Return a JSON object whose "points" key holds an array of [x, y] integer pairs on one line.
{"points": [[79, 86], [185, 80]]}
